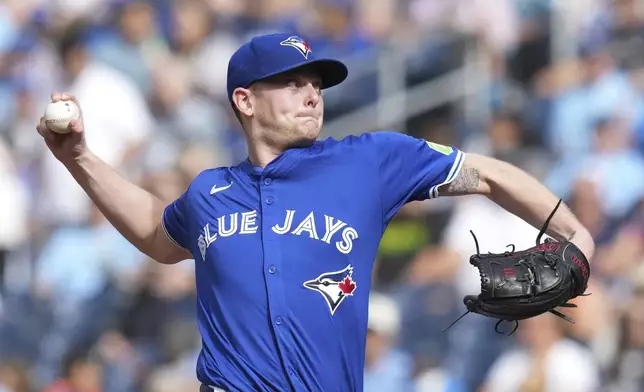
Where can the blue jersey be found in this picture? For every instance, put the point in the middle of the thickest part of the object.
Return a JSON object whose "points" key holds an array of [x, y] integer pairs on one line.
{"points": [[284, 256]]}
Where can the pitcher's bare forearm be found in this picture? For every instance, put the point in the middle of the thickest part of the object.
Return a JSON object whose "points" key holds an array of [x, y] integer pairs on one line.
{"points": [[520, 194], [134, 212]]}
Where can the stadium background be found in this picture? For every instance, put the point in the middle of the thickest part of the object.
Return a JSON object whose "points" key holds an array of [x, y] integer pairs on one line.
{"points": [[554, 86]]}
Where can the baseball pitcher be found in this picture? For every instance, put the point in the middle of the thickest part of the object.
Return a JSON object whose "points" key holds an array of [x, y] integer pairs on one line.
{"points": [[284, 242]]}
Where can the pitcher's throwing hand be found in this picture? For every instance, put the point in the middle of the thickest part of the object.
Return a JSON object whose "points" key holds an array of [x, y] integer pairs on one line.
{"points": [[65, 146]]}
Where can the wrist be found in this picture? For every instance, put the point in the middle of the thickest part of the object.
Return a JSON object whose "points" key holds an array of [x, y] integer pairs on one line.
{"points": [[82, 159], [585, 243], [80, 163]]}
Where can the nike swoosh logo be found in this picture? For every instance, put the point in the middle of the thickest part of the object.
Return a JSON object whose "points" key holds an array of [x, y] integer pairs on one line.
{"points": [[214, 189]]}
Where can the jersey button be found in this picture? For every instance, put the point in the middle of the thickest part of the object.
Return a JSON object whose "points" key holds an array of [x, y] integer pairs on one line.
{"points": [[269, 200], [279, 320], [272, 269], [267, 181]]}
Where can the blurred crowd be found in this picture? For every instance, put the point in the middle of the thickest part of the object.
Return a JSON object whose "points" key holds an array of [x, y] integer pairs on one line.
{"points": [[81, 310]]}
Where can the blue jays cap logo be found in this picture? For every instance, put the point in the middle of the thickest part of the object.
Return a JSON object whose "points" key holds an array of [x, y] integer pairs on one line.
{"points": [[334, 286], [299, 44]]}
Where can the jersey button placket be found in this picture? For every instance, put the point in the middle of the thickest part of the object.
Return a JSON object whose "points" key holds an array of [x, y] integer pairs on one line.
{"points": [[271, 215]]}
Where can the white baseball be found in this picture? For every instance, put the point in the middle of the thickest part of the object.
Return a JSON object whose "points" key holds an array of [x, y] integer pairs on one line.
{"points": [[59, 114]]}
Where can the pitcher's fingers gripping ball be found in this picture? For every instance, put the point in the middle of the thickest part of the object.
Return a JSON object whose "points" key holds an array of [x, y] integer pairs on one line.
{"points": [[58, 115]]}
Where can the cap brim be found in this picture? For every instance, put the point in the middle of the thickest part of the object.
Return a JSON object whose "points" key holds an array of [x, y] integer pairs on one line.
{"points": [[332, 72]]}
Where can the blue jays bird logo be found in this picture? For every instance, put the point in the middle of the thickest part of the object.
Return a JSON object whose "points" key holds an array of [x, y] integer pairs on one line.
{"points": [[334, 286], [299, 44]]}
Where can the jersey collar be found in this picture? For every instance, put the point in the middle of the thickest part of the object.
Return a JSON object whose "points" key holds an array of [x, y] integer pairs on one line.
{"points": [[281, 165]]}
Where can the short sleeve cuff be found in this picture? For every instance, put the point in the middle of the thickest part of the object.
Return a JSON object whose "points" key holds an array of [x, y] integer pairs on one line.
{"points": [[452, 174]]}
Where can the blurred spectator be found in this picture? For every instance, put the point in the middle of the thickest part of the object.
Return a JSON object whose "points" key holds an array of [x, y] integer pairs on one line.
{"points": [[600, 89], [81, 374], [627, 373], [14, 377], [196, 38], [406, 235], [183, 119], [544, 361], [136, 45], [585, 202], [13, 210], [506, 138], [386, 369], [429, 303], [623, 254], [116, 117], [628, 33], [612, 153], [76, 288]]}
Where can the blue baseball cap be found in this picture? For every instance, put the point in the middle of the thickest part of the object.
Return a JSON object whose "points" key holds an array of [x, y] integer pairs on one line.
{"points": [[272, 54]]}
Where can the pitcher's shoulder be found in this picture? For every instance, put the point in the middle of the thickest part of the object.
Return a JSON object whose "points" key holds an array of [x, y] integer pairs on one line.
{"points": [[212, 176]]}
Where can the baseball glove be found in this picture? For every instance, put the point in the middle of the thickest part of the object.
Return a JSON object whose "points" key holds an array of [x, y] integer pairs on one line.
{"points": [[524, 284]]}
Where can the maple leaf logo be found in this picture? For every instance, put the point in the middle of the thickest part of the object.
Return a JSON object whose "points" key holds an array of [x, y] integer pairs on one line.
{"points": [[347, 286]]}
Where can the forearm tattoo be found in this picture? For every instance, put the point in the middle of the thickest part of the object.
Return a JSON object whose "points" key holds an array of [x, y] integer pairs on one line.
{"points": [[467, 181]]}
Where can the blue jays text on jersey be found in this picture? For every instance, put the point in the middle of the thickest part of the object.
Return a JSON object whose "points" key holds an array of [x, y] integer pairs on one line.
{"points": [[284, 256], [230, 225]]}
